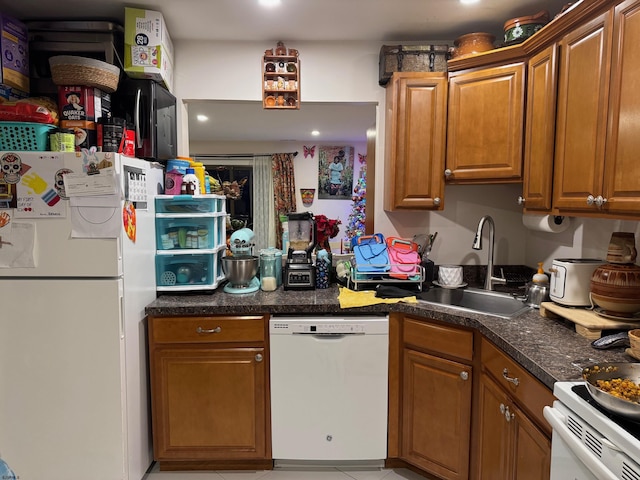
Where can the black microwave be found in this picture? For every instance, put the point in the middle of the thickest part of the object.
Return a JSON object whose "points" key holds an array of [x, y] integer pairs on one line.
{"points": [[150, 109]]}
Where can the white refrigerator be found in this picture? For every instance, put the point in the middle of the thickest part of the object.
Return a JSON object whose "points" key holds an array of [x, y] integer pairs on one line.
{"points": [[74, 401]]}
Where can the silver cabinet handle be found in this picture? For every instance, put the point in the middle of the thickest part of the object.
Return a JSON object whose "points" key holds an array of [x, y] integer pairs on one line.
{"points": [[209, 330], [436, 201], [598, 201], [521, 200], [504, 410], [448, 172], [514, 380], [258, 357], [464, 375], [508, 416]]}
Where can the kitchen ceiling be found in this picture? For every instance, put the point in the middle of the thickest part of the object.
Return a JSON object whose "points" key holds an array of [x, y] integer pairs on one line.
{"points": [[397, 21]]}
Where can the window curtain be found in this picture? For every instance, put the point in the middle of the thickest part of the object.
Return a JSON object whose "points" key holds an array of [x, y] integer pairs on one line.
{"points": [[284, 187], [265, 222]]}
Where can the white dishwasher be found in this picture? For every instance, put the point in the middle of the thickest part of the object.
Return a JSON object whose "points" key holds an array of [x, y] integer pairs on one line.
{"points": [[329, 378]]}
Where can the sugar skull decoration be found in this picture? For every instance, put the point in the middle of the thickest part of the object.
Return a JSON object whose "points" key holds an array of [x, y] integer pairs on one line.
{"points": [[59, 182], [11, 165]]}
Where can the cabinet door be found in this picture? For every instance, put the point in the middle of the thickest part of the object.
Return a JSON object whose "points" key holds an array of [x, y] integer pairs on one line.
{"points": [[415, 141], [486, 125], [493, 437], [209, 403], [582, 114], [531, 455], [622, 175], [509, 445], [436, 415], [540, 124]]}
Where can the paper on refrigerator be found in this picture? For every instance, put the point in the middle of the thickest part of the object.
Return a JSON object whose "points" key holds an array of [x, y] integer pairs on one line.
{"points": [[37, 190]]}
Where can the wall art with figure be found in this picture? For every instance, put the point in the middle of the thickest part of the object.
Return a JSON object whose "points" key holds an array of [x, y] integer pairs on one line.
{"points": [[335, 172]]}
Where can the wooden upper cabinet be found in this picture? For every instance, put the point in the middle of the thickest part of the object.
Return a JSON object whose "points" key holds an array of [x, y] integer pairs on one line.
{"points": [[583, 96], [539, 139], [622, 169], [486, 125], [415, 141]]}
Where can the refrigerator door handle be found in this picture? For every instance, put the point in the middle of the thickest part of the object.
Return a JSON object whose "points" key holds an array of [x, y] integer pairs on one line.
{"points": [[121, 298], [136, 118]]}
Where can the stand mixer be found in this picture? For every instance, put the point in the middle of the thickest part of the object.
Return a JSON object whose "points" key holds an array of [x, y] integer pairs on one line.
{"points": [[299, 271], [242, 266]]}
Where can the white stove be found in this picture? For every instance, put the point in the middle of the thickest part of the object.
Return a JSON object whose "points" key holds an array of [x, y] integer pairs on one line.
{"points": [[590, 443]]}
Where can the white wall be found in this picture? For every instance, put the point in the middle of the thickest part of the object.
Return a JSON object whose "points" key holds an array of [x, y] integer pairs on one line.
{"points": [[348, 72]]}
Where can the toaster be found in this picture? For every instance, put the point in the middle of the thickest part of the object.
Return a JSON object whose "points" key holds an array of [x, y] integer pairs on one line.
{"points": [[570, 282]]}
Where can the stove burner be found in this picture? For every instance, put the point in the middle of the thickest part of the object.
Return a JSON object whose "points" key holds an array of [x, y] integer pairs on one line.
{"points": [[631, 426]]}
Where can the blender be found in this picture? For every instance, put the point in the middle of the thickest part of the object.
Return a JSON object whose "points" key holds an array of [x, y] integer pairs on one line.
{"points": [[299, 271], [241, 266]]}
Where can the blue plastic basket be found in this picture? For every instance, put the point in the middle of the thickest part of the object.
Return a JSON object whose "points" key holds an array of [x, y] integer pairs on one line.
{"points": [[24, 136]]}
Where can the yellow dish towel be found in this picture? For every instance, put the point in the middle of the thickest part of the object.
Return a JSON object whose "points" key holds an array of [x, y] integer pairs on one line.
{"points": [[349, 298]]}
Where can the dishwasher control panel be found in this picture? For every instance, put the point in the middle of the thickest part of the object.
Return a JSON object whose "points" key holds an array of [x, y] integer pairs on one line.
{"points": [[328, 325], [324, 328]]}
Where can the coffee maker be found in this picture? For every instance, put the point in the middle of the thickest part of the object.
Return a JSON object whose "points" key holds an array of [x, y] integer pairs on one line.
{"points": [[299, 271]]}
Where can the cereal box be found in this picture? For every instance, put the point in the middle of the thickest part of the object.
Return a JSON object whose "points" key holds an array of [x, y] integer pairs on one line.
{"points": [[15, 54], [79, 109], [148, 51]]}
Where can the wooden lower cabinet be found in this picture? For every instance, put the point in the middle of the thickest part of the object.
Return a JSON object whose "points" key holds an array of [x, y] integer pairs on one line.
{"points": [[435, 392], [512, 439], [436, 417], [510, 446], [209, 391], [460, 408]]}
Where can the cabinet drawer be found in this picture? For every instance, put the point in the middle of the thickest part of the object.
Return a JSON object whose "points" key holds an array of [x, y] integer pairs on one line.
{"points": [[529, 393], [439, 338], [207, 329]]}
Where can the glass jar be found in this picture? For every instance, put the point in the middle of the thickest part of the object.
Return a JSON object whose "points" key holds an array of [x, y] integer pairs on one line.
{"points": [[270, 269]]}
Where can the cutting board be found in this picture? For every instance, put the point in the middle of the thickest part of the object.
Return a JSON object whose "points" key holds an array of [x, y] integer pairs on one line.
{"points": [[588, 323]]}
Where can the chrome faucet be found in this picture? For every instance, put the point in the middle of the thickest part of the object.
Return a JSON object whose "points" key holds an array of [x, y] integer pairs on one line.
{"points": [[490, 280]]}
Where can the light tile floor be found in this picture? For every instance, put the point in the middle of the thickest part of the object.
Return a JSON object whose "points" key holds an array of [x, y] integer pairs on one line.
{"points": [[288, 474]]}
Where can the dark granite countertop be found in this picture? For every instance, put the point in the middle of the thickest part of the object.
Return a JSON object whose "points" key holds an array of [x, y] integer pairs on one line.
{"points": [[549, 349]]}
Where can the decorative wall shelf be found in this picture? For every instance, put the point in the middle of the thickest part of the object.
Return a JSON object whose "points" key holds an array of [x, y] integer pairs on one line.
{"points": [[281, 78]]}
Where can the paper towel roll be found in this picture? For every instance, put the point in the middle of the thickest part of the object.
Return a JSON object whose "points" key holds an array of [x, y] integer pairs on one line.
{"points": [[546, 223]]}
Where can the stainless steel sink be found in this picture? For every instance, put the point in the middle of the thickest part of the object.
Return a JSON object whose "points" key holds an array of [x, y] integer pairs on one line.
{"points": [[475, 300]]}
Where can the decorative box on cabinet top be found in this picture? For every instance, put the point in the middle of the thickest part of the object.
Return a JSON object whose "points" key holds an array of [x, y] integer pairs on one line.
{"points": [[411, 58]]}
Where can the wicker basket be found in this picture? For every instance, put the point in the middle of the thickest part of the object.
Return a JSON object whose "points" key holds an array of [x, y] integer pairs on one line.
{"points": [[72, 70], [24, 136]]}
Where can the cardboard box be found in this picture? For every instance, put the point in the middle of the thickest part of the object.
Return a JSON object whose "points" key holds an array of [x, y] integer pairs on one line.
{"points": [[12, 94], [14, 47], [80, 107], [85, 133], [82, 103], [148, 50]]}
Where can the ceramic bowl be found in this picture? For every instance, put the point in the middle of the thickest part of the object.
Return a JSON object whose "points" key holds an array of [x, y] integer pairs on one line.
{"points": [[472, 43], [616, 288], [517, 30], [270, 101], [634, 341]]}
